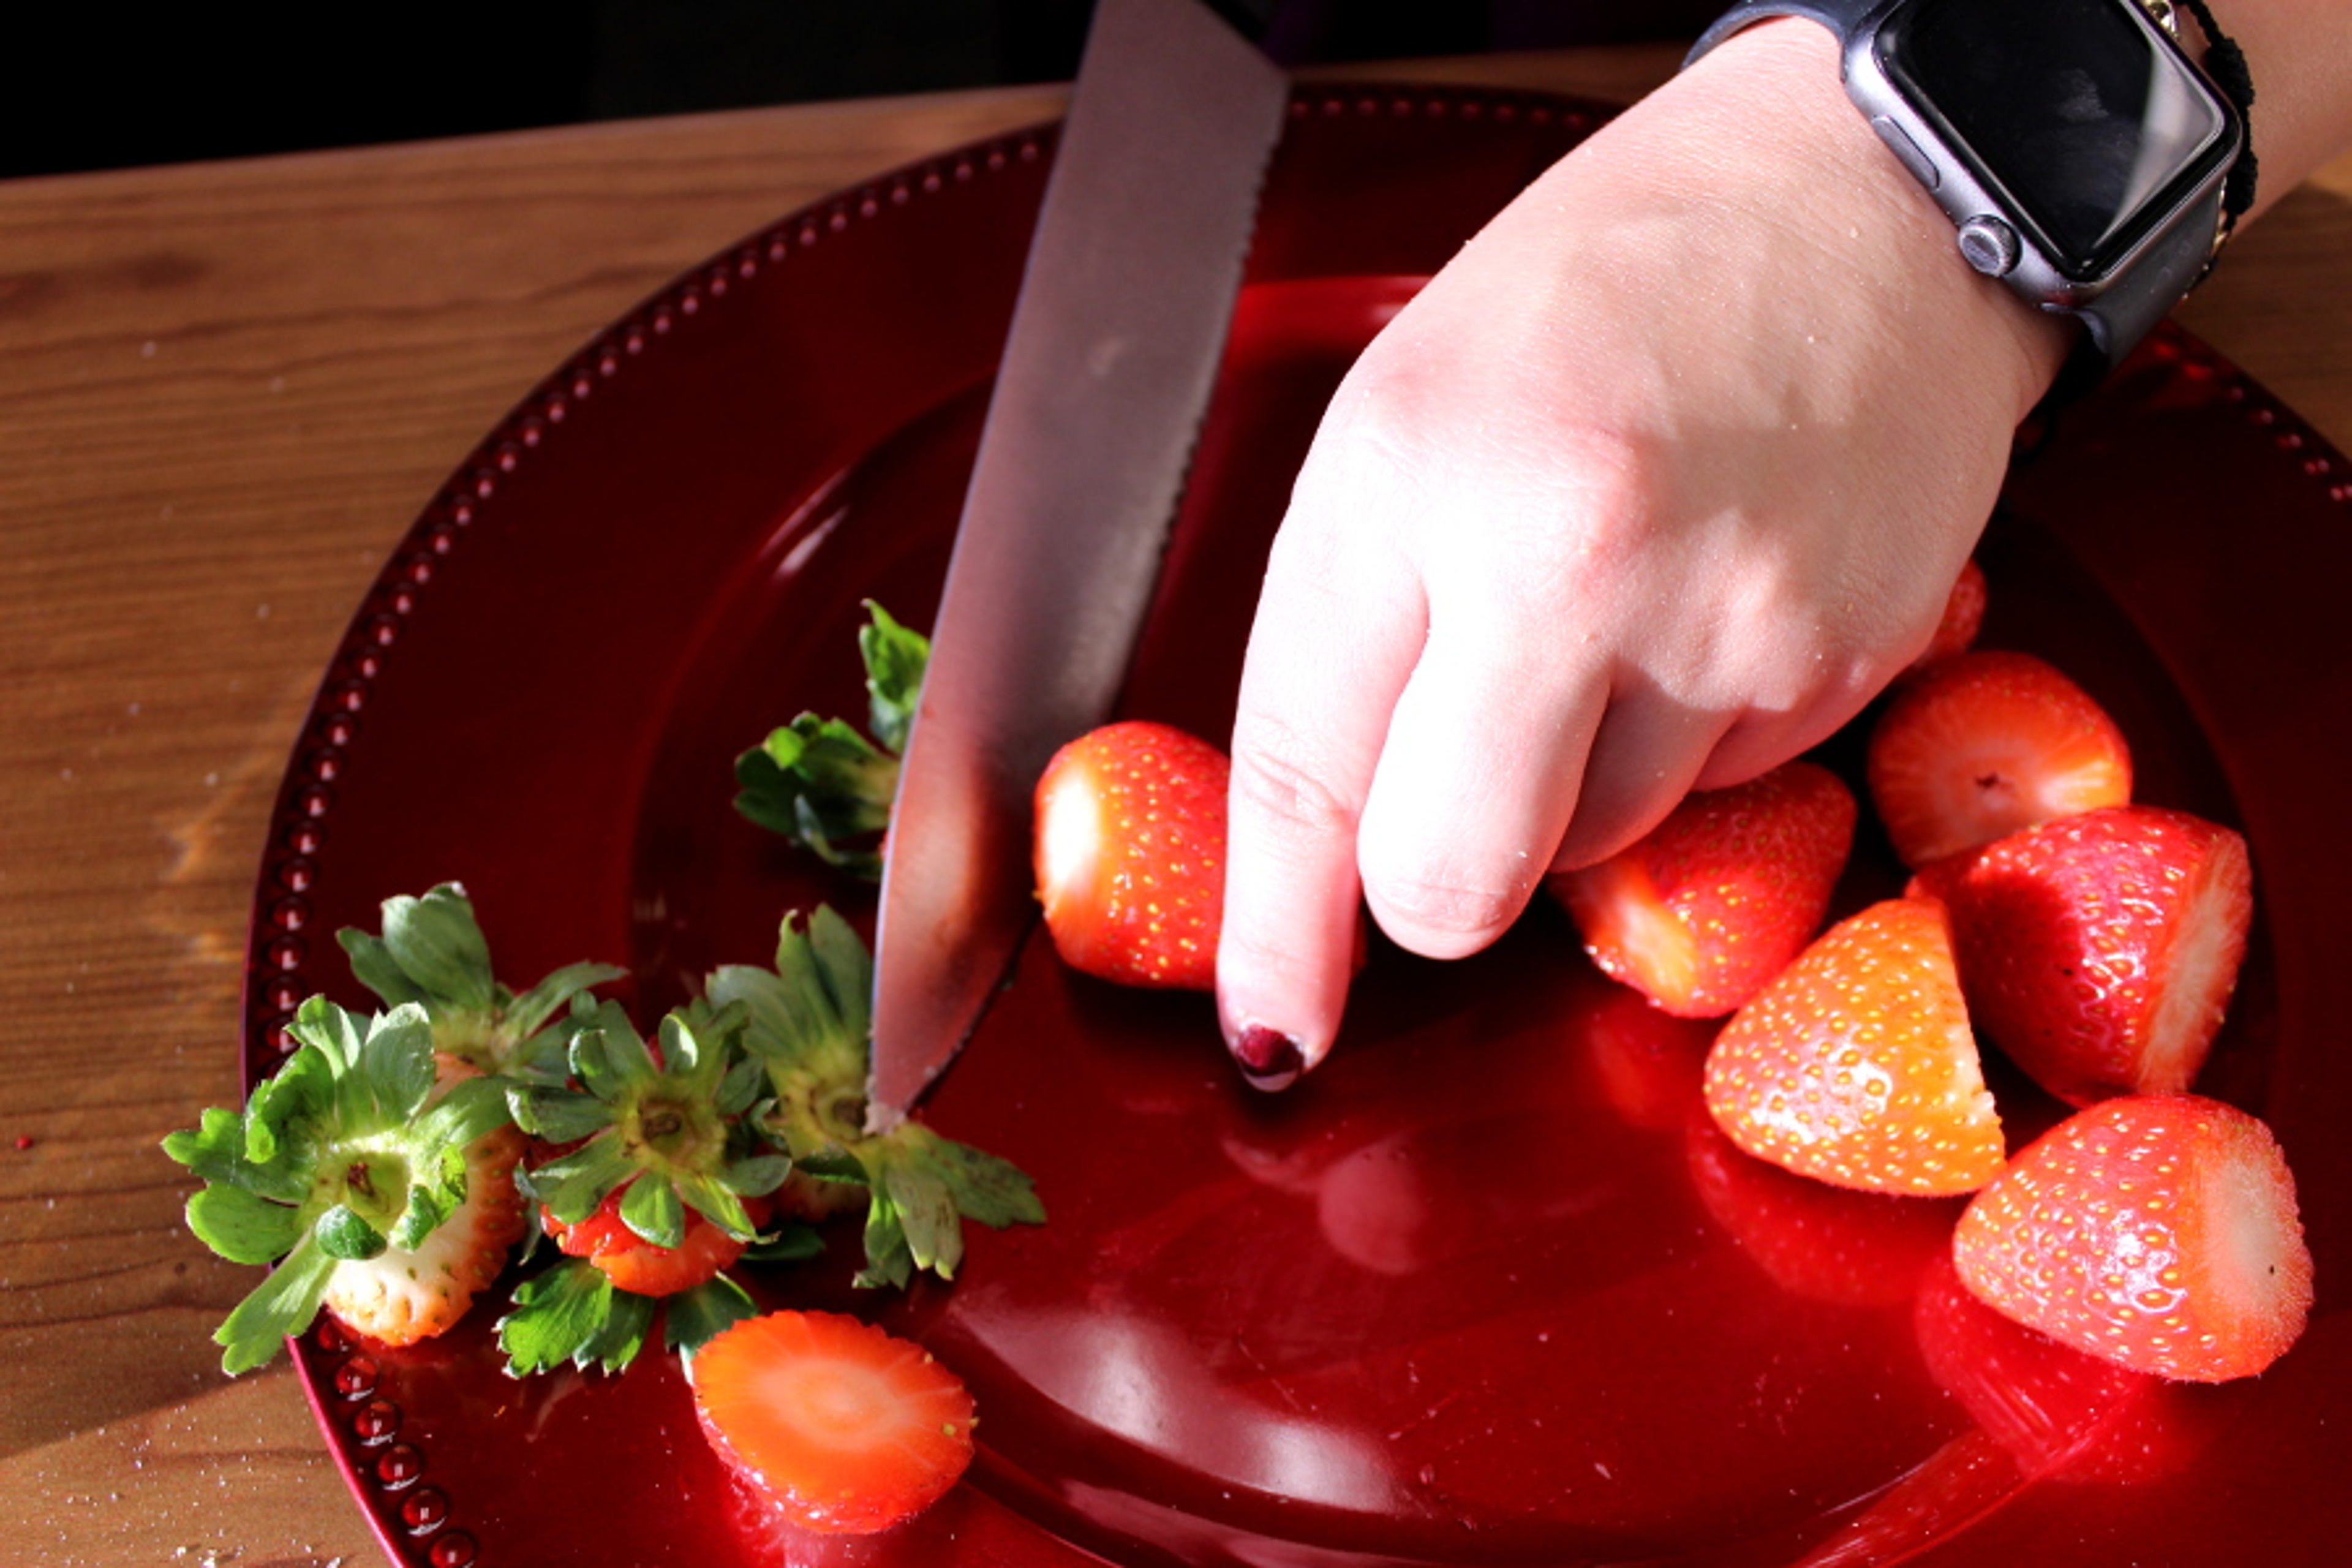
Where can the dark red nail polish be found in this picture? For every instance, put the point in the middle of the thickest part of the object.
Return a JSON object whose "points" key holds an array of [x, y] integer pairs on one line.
{"points": [[1269, 1059]]}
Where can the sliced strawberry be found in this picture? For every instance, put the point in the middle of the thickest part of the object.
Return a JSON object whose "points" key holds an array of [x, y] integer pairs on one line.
{"points": [[2099, 951], [1721, 895], [1964, 614], [1986, 743], [1130, 854], [2158, 1231], [1856, 1065], [633, 1263], [847, 1428]]}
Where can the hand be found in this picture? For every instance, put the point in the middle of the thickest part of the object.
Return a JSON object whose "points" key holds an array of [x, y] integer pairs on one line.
{"points": [[1650, 489]]}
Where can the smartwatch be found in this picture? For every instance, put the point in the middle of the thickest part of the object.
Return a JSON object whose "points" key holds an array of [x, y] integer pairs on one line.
{"points": [[2078, 151]]}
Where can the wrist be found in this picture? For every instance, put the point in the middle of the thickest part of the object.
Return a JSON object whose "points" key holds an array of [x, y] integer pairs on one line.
{"points": [[1775, 92]]}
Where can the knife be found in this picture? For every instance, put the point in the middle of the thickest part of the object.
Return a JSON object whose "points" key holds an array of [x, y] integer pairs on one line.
{"points": [[1113, 351]]}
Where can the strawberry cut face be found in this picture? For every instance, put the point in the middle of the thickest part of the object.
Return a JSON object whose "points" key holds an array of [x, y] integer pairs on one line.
{"points": [[2100, 950], [1988, 742]]}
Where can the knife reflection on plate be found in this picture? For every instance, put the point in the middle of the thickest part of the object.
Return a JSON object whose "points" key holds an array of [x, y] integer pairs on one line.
{"points": [[1122, 317]]}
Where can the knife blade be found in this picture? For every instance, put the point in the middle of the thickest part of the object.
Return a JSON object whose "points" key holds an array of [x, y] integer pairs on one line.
{"points": [[1124, 307]]}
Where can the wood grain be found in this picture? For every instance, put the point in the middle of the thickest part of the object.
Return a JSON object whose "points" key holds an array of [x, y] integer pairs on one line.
{"points": [[226, 390]]}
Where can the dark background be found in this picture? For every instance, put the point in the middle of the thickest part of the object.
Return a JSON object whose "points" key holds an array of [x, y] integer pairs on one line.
{"points": [[95, 84]]}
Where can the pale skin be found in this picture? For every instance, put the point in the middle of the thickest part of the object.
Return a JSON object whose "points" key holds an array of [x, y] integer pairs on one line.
{"points": [[1650, 489]]}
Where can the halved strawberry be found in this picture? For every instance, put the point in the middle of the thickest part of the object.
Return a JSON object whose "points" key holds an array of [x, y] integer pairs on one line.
{"points": [[1130, 854], [1964, 613], [2099, 951], [1721, 895], [1856, 1065], [1985, 744], [634, 1263], [848, 1429], [2158, 1231]]}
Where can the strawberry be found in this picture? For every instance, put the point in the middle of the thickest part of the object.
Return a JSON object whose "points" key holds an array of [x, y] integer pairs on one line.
{"points": [[809, 1024], [634, 1263], [821, 784], [652, 1140], [380, 1186], [1856, 1065], [433, 953], [2099, 951], [846, 1429], [1130, 854], [1721, 895], [1985, 744], [2158, 1231], [1964, 614]]}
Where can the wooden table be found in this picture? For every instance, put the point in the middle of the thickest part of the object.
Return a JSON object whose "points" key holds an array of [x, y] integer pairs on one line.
{"points": [[226, 390]]}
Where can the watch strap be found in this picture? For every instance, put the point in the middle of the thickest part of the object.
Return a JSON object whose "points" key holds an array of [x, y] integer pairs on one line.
{"points": [[2121, 314]]}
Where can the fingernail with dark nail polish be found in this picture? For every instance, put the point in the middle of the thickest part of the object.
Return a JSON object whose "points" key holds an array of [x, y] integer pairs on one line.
{"points": [[1268, 1058]]}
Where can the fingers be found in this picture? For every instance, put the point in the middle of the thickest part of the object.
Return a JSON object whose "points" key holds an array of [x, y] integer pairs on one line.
{"points": [[1339, 626], [1476, 781]]}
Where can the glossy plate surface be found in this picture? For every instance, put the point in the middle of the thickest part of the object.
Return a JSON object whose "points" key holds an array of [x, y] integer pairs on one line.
{"points": [[1486, 1289]]}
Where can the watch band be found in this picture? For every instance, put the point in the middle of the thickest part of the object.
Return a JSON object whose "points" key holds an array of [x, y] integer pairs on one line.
{"points": [[2122, 310]]}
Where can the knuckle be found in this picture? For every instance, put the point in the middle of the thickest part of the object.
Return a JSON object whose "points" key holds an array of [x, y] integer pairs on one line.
{"points": [[1445, 913], [1271, 782]]}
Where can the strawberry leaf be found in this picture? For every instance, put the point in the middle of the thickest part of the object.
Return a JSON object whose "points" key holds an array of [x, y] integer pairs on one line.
{"points": [[650, 1207], [558, 1115], [241, 1225], [344, 1235], [573, 1313], [692, 1318], [439, 947], [896, 659], [572, 1184], [281, 1306], [820, 782], [790, 1244]]}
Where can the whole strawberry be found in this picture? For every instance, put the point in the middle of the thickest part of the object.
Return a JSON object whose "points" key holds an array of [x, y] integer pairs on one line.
{"points": [[2158, 1231], [2099, 951], [1856, 1065], [1987, 743], [1130, 854], [1964, 613], [1721, 895]]}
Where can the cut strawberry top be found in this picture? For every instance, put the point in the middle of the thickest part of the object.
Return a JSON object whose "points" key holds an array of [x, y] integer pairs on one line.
{"points": [[1988, 742], [846, 1429], [2158, 1231]]}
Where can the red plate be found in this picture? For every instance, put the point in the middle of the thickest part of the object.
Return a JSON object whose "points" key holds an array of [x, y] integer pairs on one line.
{"points": [[1483, 1290]]}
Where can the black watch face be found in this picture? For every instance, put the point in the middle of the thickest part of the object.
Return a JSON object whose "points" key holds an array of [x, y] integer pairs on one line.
{"points": [[2072, 108]]}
